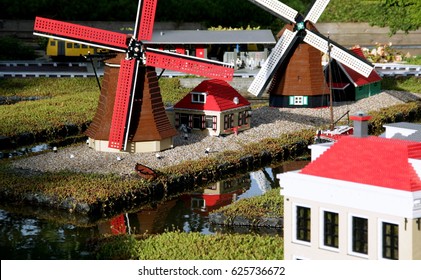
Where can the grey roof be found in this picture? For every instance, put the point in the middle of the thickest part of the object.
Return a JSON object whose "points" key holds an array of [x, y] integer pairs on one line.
{"points": [[212, 37], [404, 125], [415, 136]]}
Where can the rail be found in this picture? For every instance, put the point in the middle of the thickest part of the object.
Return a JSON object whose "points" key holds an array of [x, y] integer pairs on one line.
{"points": [[82, 69]]}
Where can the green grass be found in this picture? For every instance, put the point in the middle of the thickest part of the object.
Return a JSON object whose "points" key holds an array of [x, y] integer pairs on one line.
{"points": [[83, 188], [193, 246], [416, 60], [64, 101], [74, 101], [349, 11], [410, 84], [176, 245], [268, 205]]}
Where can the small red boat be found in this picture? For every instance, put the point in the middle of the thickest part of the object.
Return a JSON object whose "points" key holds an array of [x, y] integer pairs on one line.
{"points": [[329, 135], [145, 172]]}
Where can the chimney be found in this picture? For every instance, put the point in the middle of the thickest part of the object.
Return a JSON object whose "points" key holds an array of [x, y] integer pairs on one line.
{"points": [[360, 124]]}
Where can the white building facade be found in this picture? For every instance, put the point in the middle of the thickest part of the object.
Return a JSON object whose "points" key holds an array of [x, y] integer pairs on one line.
{"points": [[359, 198]]}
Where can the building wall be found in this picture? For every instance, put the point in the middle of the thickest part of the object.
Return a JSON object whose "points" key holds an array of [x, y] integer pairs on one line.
{"points": [[133, 147], [205, 131], [220, 121], [416, 239], [294, 249], [367, 90]]}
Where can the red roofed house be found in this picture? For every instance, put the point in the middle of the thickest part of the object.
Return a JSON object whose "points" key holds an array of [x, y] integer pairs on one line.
{"points": [[348, 85], [359, 198], [213, 108]]}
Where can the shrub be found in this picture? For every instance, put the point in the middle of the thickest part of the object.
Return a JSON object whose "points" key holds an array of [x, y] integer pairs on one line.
{"points": [[12, 48], [193, 246]]}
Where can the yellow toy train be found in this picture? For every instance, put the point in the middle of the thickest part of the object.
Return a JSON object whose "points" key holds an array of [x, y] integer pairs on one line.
{"points": [[58, 49]]}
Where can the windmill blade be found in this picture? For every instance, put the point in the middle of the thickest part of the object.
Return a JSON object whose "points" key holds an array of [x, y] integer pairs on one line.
{"points": [[145, 19], [277, 8], [339, 53], [189, 64], [275, 59], [80, 34], [316, 10], [123, 103]]}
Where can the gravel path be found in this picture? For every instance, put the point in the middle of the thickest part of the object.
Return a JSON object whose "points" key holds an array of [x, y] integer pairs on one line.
{"points": [[266, 122]]}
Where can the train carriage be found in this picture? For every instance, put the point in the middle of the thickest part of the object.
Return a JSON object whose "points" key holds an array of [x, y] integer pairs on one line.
{"points": [[58, 49]]}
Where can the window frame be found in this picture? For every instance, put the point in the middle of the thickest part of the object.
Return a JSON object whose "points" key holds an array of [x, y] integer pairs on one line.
{"points": [[381, 239], [323, 234], [209, 121], [183, 119], [296, 227], [351, 236], [228, 121], [243, 118], [197, 122], [198, 97]]}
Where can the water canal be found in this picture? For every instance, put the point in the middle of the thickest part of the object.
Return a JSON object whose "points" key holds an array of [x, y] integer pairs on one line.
{"points": [[30, 233]]}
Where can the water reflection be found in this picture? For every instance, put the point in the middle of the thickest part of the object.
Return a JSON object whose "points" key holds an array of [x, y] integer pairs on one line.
{"points": [[36, 235], [24, 151], [23, 237]]}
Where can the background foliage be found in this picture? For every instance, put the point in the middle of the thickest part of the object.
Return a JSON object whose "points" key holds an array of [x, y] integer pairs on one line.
{"points": [[220, 12], [397, 14]]}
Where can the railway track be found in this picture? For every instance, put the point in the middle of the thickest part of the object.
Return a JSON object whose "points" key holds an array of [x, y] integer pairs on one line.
{"points": [[84, 69]]}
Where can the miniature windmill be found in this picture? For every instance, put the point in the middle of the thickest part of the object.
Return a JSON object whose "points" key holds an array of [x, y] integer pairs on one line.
{"points": [[130, 108], [295, 61]]}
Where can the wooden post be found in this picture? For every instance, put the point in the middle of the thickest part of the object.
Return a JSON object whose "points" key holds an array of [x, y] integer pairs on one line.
{"points": [[330, 85]]}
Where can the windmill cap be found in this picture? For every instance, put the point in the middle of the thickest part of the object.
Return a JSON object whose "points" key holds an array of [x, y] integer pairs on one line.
{"points": [[360, 116]]}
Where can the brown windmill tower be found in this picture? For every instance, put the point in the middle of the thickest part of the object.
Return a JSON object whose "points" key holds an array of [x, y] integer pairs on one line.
{"points": [[150, 129], [300, 80], [131, 116], [295, 62]]}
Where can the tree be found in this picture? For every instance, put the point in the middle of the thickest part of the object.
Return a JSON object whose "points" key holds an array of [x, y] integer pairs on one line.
{"points": [[233, 13], [398, 15]]}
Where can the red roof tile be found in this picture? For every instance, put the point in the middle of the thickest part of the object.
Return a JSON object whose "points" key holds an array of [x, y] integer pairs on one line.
{"points": [[372, 160], [220, 96], [358, 79]]}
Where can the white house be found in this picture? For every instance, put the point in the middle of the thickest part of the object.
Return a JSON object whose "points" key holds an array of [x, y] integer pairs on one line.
{"points": [[213, 108], [360, 198]]}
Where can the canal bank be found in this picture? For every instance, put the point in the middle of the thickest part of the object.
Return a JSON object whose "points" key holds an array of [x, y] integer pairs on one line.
{"points": [[26, 230], [105, 190]]}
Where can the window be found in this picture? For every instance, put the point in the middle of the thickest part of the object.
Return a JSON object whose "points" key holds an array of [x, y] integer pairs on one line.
{"points": [[198, 203], [197, 121], [390, 240], [359, 235], [228, 121], [184, 119], [303, 223], [53, 43], [198, 97], [69, 45], [331, 229], [209, 121], [242, 118], [298, 100]]}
